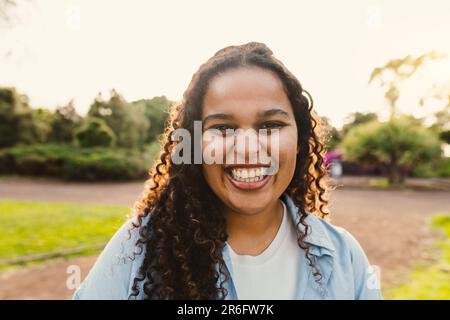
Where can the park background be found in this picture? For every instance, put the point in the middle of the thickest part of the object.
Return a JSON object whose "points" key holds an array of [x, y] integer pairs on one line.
{"points": [[85, 87]]}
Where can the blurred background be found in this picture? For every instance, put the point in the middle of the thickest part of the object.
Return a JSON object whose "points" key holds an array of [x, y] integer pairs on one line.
{"points": [[84, 91]]}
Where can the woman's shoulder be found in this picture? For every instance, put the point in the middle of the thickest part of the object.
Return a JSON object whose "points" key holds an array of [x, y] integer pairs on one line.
{"points": [[322, 233], [349, 255], [118, 263], [341, 238], [335, 238]]}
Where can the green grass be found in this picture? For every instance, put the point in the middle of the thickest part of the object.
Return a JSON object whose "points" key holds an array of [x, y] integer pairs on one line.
{"points": [[28, 228], [431, 282], [380, 183]]}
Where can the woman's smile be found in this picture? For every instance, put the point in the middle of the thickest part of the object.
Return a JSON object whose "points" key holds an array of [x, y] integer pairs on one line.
{"points": [[247, 177]]}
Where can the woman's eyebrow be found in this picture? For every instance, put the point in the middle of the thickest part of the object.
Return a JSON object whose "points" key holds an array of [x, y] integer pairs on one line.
{"points": [[217, 116], [267, 113], [273, 112]]}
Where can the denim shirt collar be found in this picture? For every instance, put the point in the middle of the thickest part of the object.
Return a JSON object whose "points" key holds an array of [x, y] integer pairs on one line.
{"points": [[321, 247], [317, 235]]}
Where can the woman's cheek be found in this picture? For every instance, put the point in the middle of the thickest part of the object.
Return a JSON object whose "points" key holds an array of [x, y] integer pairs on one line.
{"points": [[288, 151], [211, 174]]}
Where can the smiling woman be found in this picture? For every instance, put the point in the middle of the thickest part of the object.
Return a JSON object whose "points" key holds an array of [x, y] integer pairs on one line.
{"points": [[236, 230]]}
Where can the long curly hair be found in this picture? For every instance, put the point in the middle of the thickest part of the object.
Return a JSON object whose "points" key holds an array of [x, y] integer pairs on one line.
{"points": [[185, 232]]}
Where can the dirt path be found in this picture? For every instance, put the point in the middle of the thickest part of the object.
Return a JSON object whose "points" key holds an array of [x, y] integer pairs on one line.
{"points": [[74, 192], [390, 225]]}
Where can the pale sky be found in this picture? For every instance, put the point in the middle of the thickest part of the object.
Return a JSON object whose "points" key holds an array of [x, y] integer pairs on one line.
{"points": [[58, 50]]}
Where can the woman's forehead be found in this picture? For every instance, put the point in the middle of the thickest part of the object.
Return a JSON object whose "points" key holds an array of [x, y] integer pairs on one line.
{"points": [[245, 89]]}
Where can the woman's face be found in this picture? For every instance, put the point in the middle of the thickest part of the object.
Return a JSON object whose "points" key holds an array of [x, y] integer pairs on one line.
{"points": [[250, 98]]}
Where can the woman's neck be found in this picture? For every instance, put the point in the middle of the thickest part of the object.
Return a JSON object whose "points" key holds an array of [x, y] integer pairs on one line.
{"points": [[252, 234]]}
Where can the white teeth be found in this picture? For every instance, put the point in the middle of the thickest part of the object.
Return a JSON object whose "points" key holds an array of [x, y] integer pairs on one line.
{"points": [[249, 175], [263, 171]]}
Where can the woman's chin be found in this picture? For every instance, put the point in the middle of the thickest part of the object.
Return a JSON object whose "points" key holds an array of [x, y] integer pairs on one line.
{"points": [[249, 204], [246, 200]]}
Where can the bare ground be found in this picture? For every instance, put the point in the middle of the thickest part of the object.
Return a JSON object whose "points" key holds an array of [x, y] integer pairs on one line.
{"points": [[391, 226]]}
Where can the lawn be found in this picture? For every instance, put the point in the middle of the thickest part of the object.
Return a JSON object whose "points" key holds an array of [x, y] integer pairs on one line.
{"points": [[30, 228], [431, 282]]}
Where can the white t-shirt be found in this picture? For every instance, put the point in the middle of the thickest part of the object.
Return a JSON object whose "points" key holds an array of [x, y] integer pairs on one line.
{"points": [[273, 274]]}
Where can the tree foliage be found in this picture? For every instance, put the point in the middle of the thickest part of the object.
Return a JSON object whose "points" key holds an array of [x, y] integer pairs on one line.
{"points": [[156, 111], [64, 122], [397, 145], [94, 132], [127, 121], [17, 121]]}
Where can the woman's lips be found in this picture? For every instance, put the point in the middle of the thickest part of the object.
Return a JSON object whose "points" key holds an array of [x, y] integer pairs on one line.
{"points": [[243, 185]]}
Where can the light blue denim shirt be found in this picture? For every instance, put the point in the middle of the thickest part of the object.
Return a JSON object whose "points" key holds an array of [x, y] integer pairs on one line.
{"points": [[345, 269]]}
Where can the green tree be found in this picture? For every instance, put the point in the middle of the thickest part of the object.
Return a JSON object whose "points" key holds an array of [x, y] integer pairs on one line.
{"points": [[17, 120], [64, 122], [127, 121], [356, 119], [43, 119], [94, 132], [156, 111], [397, 145]]}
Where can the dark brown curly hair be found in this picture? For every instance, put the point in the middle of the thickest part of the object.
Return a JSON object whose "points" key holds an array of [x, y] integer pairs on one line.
{"points": [[185, 232]]}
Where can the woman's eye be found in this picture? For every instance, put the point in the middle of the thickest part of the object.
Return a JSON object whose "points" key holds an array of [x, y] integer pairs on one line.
{"points": [[272, 125], [222, 127]]}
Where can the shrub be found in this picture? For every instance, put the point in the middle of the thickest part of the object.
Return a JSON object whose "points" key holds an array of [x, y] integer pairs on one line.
{"points": [[440, 167], [444, 168], [94, 132], [74, 163], [106, 165]]}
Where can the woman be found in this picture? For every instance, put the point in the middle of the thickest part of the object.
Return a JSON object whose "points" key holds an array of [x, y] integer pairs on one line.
{"points": [[236, 230]]}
